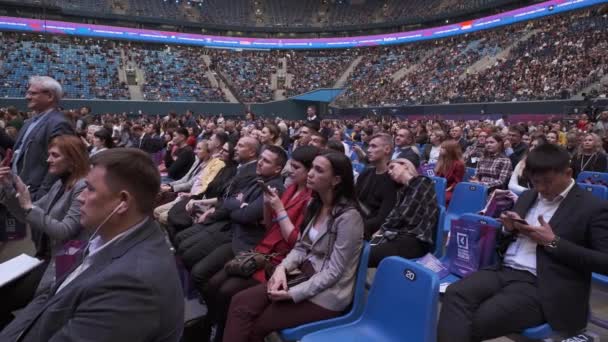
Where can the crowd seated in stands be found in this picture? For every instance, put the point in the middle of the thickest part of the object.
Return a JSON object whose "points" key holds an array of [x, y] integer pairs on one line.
{"points": [[306, 196], [277, 13]]}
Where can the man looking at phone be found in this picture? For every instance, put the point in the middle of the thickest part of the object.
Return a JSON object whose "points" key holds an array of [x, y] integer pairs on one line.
{"points": [[556, 235], [31, 146]]}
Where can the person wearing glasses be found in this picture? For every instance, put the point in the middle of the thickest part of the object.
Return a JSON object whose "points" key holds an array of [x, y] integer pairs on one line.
{"points": [[32, 144]]}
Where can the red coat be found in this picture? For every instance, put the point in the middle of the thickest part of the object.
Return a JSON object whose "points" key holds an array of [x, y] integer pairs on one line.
{"points": [[453, 176], [273, 241]]}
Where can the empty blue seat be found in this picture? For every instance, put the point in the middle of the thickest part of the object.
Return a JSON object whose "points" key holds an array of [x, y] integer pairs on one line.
{"points": [[296, 333], [440, 186], [597, 190], [593, 177], [402, 306], [466, 198], [469, 172]]}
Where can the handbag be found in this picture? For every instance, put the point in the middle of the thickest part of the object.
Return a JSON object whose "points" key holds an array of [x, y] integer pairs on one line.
{"points": [[245, 264]]}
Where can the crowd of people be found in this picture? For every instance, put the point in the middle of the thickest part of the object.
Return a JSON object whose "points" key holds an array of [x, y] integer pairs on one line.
{"points": [[268, 218], [276, 13], [88, 67], [551, 58]]}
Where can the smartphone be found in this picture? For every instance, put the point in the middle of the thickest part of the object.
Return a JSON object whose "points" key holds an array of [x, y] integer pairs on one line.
{"points": [[265, 187], [521, 221]]}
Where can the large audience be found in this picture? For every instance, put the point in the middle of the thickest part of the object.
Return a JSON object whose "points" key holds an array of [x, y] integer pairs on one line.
{"points": [[265, 219], [276, 13], [552, 58]]}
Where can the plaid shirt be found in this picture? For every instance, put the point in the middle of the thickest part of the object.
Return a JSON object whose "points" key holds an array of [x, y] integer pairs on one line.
{"points": [[416, 213], [494, 171]]}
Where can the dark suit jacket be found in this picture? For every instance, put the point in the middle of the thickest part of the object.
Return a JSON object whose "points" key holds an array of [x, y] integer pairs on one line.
{"points": [[32, 166], [564, 273], [246, 222], [131, 292]]}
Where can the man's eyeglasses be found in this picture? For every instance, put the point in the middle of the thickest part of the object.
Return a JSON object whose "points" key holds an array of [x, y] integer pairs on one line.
{"points": [[32, 93]]}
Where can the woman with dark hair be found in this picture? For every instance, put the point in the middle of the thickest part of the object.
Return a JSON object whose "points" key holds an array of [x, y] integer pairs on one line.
{"points": [[450, 166], [326, 256], [53, 219], [271, 135], [102, 140], [494, 168], [283, 217]]}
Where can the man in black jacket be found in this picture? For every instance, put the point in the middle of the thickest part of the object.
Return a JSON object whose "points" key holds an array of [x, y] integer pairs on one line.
{"points": [[546, 264], [519, 147]]}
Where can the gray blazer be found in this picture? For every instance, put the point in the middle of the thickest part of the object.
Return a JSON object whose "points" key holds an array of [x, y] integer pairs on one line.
{"points": [[32, 167], [59, 220], [130, 292], [332, 285]]}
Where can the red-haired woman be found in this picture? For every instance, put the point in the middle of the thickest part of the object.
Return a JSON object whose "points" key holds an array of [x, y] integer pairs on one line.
{"points": [[53, 219], [450, 166]]}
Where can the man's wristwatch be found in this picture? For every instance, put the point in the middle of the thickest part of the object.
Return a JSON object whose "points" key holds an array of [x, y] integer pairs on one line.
{"points": [[553, 243]]}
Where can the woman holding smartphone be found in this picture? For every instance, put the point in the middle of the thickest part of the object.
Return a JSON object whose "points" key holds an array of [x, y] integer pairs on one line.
{"points": [[53, 219], [283, 217], [325, 256]]}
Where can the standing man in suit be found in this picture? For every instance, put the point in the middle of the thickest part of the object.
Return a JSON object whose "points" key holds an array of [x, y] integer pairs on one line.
{"points": [[29, 159], [126, 287], [544, 274]]}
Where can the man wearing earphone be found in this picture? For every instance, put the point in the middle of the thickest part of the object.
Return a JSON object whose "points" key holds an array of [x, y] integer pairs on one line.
{"points": [[126, 287]]}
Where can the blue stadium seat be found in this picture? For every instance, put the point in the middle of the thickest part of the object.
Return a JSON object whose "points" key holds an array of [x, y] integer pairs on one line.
{"points": [[593, 177], [402, 306], [466, 198], [294, 334], [440, 186], [597, 190], [469, 172]]}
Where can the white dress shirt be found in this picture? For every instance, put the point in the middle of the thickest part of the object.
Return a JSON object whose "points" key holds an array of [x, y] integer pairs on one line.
{"points": [[521, 254]]}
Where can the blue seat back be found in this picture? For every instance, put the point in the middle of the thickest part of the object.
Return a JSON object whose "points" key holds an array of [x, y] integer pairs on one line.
{"points": [[597, 190], [439, 239], [402, 302], [593, 177], [440, 186], [468, 198], [296, 333], [469, 172]]}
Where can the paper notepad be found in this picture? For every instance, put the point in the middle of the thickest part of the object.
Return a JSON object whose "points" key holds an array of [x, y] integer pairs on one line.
{"points": [[16, 267]]}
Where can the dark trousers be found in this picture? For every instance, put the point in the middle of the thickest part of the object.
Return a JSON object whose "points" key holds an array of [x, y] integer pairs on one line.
{"points": [[489, 304], [405, 246], [19, 293], [198, 241], [252, 315], [204, 269], [217, 294]]}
